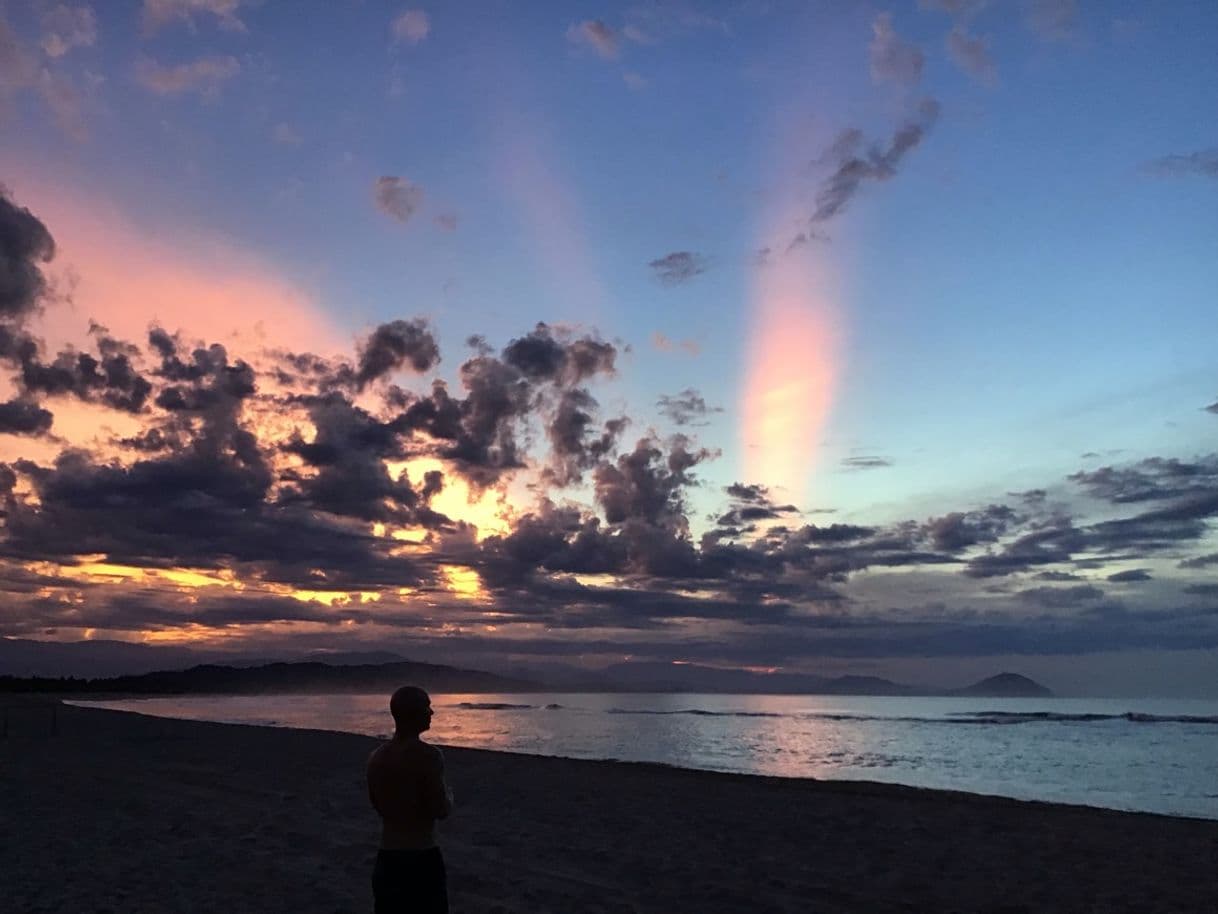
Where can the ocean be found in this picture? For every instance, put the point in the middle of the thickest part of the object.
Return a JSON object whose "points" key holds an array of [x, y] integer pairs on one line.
{"points": [[1146, 755]]}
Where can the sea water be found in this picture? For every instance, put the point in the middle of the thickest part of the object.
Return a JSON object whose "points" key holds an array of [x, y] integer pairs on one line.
{"points": [[1147, 755]]}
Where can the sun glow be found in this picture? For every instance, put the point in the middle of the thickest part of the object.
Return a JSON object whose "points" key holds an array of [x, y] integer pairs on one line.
{"points": [[462, 582], [791, 370]]}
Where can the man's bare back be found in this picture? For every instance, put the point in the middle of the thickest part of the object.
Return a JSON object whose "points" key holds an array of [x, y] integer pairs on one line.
{"points": [[407, 788]]}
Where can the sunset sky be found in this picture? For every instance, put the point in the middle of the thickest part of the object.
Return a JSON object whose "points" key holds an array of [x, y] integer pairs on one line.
{"points": [[818, 337]]}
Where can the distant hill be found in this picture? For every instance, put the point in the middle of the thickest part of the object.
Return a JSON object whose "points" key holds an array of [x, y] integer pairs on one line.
{"points": [[280, 677], [1004, 685], [118, 666], [105, 658], [691, 677]]}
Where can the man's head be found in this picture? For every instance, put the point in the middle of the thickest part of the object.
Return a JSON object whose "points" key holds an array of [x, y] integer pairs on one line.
{"points": [[411, 710]]}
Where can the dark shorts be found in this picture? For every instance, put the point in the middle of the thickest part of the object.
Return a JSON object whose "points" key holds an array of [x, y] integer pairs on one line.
{"points": [[410, 882]]}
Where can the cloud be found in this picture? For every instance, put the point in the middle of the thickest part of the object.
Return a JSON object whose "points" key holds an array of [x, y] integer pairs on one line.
{"points": [[961, 529], [410, 27], [1203, 163], [269, 495], [678, 267], [1208, 591], [1200, 561], [634, 81], [893, 60], [446, 222], [397, 197], [594, 34], [1061, 597], [394, 345], [157, 14], [21, 71], [1155, 478], [1134, 575], [66, 27], [871, 462], [204, 76], [664, 343], [1051, 20], [972, 55], [24, 417], [1212, 408], [686, 408], [853, 166], [25, 247]]}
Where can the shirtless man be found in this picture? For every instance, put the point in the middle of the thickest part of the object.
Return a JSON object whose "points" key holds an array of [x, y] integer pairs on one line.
{"points": [[407, 788]]}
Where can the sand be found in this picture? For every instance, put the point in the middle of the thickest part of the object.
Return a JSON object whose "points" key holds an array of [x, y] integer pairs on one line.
{"points": [[125, 813]]}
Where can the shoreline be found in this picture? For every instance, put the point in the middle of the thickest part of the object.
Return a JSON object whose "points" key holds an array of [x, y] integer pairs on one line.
{"points": [[234, 816]]}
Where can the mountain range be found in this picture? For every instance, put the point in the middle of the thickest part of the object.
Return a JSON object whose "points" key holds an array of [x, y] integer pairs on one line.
{"points": [[88, 667]]}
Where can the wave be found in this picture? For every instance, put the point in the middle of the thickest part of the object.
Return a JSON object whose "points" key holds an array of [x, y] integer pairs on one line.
{"points": [[698, 712], [1021, 717], [960, 717]]}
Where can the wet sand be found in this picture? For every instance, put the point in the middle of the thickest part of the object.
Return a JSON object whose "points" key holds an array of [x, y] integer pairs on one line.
{"points": [[124, 813]]}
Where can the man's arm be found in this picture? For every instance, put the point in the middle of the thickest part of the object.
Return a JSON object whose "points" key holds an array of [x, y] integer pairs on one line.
{"points": [[437, 798]]}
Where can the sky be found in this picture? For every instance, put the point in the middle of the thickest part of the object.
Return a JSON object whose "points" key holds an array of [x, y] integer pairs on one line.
{"points": [[813, 337]]}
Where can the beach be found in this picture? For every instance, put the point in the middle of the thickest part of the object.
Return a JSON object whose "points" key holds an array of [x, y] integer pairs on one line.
{"points": [[125, 813]]}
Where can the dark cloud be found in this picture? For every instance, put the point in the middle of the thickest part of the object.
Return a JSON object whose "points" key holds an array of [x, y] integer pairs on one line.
{"points": [[1202, 590], [349, 477], [892, 59], [678, 267], [1202, 163], [24, 417], [750, 504], [962, 529], [394, 345], [647, 485], [1061, 597], [1212, 408], [1200, 561], [1050, 543], [571, 447], [541, 355], [870, 462], [1056, 576], [397, 197], [1153, 479], [1134, 575], [274, 472], [686, 407], [854, 166], [25, 244], [110, 377], [750, 493]]}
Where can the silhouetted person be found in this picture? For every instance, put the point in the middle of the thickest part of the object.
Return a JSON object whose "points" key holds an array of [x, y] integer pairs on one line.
{"points": [[407, 788]]}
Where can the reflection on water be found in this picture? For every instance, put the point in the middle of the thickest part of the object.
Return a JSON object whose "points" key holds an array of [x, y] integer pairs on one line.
{"points": [[1158, 756]]}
